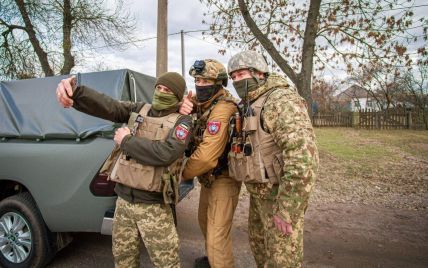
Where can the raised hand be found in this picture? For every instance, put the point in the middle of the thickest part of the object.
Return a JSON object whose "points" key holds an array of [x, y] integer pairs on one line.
{"points": [[186, 106], [64, 91]]}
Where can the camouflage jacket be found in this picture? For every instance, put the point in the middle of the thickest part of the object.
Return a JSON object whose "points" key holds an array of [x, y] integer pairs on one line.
{"points": [[285, 117]]}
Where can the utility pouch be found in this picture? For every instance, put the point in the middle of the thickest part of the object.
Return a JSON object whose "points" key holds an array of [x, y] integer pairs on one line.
{"points": [[170, 189], [137, 176], [248, 147], [250, 123], [241, 167], [111, 160]]}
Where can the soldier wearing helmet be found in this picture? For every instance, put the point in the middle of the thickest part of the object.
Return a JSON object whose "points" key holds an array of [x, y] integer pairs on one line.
{"points": [[251, 65], [278, 161], [213, 75], [219, 194]]}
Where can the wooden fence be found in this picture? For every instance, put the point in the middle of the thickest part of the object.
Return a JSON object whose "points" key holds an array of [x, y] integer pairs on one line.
{"points": [[333, 120], [397, 118]]}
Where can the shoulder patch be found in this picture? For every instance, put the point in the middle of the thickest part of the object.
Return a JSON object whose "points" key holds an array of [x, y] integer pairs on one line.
{"points": [[181, 131], [213, 127]]}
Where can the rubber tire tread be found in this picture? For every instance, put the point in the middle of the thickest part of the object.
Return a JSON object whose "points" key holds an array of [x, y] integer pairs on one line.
{"points": [[42, 250]]}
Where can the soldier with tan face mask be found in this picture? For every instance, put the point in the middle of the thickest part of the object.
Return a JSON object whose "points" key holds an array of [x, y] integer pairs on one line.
{"points": [[214, 106], [278, 160]]}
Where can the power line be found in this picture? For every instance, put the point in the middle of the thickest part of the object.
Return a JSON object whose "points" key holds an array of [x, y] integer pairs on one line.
{"points": [[200, 30], [204, 40], [133, 41]]}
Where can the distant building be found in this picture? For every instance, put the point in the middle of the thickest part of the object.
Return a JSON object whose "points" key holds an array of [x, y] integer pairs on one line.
{"points": [[356, 98]]}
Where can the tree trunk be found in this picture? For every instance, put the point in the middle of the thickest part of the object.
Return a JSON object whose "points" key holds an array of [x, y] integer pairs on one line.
{"points": [[303, 80], [41, 54], [304, 85], [66, 42], [266, 43]]}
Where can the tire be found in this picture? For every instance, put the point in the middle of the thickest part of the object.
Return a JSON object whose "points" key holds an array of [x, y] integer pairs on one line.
{"points": [[31, 238]]}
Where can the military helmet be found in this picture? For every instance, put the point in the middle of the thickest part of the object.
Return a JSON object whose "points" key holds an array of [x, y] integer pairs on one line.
{"points": [[247, 60], [209, 69]]}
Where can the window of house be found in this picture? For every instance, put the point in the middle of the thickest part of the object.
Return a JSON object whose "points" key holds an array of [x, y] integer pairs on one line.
{"points": [[356, 103]]}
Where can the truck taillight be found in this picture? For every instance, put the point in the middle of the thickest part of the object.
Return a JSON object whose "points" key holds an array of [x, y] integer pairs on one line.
{"points": [[100, 186]]}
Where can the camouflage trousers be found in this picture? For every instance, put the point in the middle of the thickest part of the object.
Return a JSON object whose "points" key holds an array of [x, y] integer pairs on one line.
{"points": [[270, 247], [155, 224], [217, 205]]}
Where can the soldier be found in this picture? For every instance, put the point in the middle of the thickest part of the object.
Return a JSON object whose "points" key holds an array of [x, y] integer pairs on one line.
{"points": [[219, 192], [152, 147], [277, 158]]}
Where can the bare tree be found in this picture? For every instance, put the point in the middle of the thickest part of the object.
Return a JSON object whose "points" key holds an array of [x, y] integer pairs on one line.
{"points": [[323, 95], [415, 87], [43, 37], [298, 35], [383, 84]]}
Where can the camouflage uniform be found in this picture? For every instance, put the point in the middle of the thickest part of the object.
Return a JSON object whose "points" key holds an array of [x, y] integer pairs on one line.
{"points": [[219, 192], [155, 224], [140, 212], [284, 116]]}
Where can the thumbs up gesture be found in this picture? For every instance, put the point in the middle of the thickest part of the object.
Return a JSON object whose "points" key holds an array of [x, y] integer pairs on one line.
{"points": [[186, 106]]}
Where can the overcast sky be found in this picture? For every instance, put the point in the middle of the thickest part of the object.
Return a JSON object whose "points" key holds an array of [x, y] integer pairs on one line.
{"points": [[184, 15]]}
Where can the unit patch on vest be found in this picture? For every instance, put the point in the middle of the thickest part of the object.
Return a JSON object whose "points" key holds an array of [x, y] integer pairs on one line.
{"points": [[181, 131], [213, 127]]}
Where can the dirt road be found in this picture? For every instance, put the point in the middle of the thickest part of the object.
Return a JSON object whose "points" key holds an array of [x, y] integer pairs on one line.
{"points": [[336, 235], [368, 209]]}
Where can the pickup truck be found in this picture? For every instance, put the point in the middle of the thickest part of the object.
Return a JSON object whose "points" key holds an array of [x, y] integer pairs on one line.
{"points": [[50, 157]]}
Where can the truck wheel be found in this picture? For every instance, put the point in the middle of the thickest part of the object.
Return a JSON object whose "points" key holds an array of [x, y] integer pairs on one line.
{"points": [[24, 237]]}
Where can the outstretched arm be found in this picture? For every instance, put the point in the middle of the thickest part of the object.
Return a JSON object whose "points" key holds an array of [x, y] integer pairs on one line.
{"points": [[94, 103]]}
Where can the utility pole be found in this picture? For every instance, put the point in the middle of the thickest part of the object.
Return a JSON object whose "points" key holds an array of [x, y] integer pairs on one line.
{"points": [[162, 38], [182, 54]]}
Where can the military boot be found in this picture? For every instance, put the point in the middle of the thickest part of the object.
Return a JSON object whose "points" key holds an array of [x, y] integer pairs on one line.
{"points": [[202, 262]]}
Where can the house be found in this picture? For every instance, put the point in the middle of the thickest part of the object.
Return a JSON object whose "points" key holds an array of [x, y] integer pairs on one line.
{"points": [[356, 98]]}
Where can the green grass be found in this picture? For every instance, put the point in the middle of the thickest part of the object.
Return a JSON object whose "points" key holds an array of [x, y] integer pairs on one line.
{"points": [[413, 142], [375, 166], [365, 152], [346, 144]]}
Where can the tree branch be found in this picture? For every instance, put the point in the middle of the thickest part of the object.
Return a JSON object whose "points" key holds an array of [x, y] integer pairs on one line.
{"points": [[66, 38], [41, 54], [266, 43]]}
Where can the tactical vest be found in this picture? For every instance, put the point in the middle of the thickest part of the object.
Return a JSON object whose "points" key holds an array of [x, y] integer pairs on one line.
{"points": [[198, 133], [265, 163], [129, 172]]}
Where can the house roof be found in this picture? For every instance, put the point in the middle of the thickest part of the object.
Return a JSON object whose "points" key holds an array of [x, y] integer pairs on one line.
{"points": [[352, 92]]}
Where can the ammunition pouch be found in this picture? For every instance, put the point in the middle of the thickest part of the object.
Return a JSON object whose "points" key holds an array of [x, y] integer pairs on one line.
{"points": [[138, 176], [170, 189], [111, 161]]}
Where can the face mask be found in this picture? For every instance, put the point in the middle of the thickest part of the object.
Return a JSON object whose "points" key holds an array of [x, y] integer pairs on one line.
{"points": [[240, 86], [204, 93], [162, 101]]}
